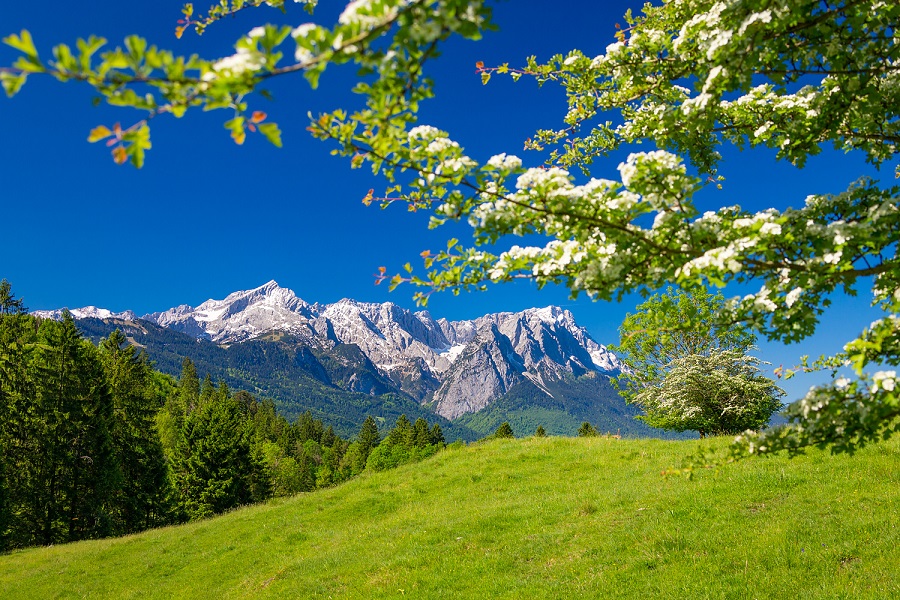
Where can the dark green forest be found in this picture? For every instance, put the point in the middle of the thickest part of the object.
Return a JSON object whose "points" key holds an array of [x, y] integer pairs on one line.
{"points": [[95, 442]]}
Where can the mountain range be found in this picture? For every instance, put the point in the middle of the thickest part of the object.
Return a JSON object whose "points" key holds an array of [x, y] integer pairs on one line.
{"points": [[347, 359]]}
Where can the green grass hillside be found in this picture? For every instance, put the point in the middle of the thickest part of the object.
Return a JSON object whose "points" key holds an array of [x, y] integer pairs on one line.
{"points": [[532, 518]]}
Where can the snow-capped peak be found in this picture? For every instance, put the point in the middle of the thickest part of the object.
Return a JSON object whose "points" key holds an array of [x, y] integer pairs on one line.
{"points": [[241, 315], [86, 312]]}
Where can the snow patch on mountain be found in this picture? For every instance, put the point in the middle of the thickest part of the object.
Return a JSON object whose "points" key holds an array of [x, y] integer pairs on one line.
{"points": [[87, 312], [242, 315]]}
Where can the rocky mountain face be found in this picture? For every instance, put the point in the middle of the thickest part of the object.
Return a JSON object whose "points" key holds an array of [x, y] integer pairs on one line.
{"points": [[453, 367], [460, 365]]}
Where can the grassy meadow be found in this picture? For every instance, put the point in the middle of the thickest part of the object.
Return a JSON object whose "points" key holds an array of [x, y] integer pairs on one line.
{"points": [[530, 518]]}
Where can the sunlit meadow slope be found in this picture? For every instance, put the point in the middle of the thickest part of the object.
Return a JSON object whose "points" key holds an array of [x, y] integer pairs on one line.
{"points": [[532, 518]]}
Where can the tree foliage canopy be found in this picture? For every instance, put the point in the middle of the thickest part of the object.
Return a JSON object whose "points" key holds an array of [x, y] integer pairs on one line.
{"points": [[670, 326], [689, 371], [686, 77]]}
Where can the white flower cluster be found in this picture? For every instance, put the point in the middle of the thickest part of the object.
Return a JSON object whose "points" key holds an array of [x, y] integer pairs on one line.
{"points": [[370, 13], [554, 258], [455, 166], [301, 54], [506, 260], [647, 38], [439, 144], [427, 141], [699, 25], [791, 298], [812, 402], [761, 300], [504, 162], [422, 132], [700, 102], [714, 74], [658, 160], [883, 293], [885, 380], [720, 259], [760, 17], [243, 61], [538, 178], [718, 38]]}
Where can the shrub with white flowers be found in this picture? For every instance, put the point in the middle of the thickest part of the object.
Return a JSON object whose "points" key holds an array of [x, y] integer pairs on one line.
{"points": [[688, 371]]}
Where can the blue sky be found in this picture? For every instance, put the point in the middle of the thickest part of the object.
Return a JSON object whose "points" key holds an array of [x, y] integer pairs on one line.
{"points": [[205, 217]]}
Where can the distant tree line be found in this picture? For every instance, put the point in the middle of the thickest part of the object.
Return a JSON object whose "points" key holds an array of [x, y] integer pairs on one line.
{"points": [[94, 442]]}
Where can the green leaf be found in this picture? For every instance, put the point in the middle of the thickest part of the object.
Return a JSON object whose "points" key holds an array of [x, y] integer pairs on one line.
{"points": [[64, 58], [12, 83], [88, 48], [271, 132], [485, 77], [136, 46], [22, 42], [29, 64]]}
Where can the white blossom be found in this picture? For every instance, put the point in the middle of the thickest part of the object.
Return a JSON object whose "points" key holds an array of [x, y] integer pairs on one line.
{"points": [[770, 229], [536, 177], [439, 144], [614, 48], [303, 30], [885, 380], [504, 162], [242, 61], [422, 132], [760, 17], [369, 13], [792, 296]]}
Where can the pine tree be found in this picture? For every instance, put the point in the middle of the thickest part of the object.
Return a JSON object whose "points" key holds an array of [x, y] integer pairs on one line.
{"points": [[437, 435], [504, 431], [587, 430], [141, 500], [309, 428], [207, 389], [188, 386], [402, 434], [421, 434], [328, 437], [16, 336], [179, 404], [73, 474], [9, 304], [540, 431], [214, 467], [368, 437]]}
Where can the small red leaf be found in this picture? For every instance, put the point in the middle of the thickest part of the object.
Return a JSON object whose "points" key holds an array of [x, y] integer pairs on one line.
{"points": [[119, 155]]}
